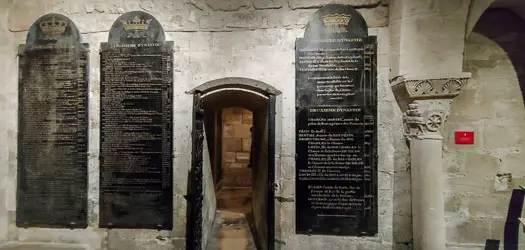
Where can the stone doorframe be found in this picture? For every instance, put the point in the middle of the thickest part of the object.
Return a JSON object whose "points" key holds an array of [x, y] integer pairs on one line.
{"points": [[426, 102], [273, 96]]}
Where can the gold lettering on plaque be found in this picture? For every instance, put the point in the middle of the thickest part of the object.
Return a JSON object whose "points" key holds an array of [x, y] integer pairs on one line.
{"points": [[53, 29], [136, 27], [337, 22]]}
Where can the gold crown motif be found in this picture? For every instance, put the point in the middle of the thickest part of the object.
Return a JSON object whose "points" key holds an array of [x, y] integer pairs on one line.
{"points": [[53, 29], [336, 19], [136, 24]]}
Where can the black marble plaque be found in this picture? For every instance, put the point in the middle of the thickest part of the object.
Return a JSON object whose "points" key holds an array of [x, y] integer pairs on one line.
{"points": [[136, 125], [52, 126], [336, 135]]}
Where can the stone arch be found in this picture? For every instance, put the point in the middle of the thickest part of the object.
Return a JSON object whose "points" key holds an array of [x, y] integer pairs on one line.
{"points": [[236, 82], [259, 98], [491, 105], [478, 7], [482, 21]]}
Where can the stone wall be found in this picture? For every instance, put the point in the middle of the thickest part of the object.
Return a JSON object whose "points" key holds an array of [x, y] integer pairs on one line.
{"points": [[213, 40], [417, 30], [478, 188], [236, 144], [192, 15], [6, 104], [209, 203]]}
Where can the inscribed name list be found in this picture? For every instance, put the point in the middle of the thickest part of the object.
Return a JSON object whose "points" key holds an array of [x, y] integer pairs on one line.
{"points": [[136, 136], [52, 139], [335, 137]]}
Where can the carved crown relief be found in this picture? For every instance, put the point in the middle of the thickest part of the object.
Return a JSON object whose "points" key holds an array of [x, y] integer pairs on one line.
{"points": [[136, 27], [53, 29], [337, 22], [336, 19]]}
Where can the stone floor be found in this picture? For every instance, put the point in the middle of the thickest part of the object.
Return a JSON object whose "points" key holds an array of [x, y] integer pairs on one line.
{"points": [[237, 177], [231, 230], [40, 246], [235, 199]]}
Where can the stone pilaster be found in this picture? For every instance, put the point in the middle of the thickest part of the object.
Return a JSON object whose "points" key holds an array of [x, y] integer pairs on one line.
{"points": [[426, 104]]}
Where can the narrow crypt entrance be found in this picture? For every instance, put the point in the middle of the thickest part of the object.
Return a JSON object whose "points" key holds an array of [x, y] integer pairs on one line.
{"points": [[232, 169]]}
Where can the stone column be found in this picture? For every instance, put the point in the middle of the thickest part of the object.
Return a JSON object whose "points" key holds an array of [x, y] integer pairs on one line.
{"points": [[426, 103]]}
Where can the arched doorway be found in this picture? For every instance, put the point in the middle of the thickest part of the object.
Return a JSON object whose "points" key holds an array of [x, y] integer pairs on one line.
{"points": [[233, 164]]}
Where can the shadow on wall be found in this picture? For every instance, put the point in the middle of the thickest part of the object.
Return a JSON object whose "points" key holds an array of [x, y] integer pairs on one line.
{"points": [[481, 175], [507, 29]]}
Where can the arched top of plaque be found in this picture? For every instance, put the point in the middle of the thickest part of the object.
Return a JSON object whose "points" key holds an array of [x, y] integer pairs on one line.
{"points": [[136, 27], [53, 29], [336, 21]]}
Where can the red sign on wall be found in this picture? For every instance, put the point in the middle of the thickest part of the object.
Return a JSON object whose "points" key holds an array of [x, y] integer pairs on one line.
{"points": [[464, 137]]}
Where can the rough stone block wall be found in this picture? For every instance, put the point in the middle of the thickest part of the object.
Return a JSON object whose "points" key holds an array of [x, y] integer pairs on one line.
{"points": [[6, 153], [481, 176], [213, 40], [236, 145]]}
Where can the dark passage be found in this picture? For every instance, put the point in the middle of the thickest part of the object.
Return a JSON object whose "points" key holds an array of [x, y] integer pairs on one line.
{"points": [[231, 229], [237, 140]]}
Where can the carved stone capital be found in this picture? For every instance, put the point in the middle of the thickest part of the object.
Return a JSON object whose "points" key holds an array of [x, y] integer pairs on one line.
{"points": [[424, 118], [434, 88], [426, 102], [408, 89]]}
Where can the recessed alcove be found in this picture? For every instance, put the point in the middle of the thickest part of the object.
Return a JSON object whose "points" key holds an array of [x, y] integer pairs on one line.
{"points": [[237, 125]]}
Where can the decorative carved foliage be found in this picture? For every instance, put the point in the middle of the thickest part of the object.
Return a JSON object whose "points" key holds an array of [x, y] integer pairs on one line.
{"points": [[430, 88]]}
